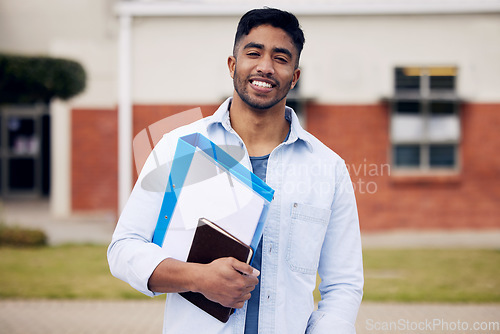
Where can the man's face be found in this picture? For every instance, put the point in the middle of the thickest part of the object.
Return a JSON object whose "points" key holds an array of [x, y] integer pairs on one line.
{"points": [[264, 67]]}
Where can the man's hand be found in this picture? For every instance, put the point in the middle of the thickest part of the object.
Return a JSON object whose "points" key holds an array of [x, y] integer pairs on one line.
{"points": [[228, 281]]}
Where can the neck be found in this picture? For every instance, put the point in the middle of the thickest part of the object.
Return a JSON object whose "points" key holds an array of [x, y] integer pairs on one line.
{"points": [[260, 130]]}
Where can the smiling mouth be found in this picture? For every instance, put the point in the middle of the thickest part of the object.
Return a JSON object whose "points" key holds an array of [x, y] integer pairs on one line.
{"points": [[262, 84]]}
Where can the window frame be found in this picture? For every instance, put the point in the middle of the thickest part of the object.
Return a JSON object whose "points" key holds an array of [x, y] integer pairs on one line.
{"points": [[425, 96]]}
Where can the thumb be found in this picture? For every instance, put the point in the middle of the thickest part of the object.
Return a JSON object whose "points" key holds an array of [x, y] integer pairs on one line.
{"points": [[245, 269]]}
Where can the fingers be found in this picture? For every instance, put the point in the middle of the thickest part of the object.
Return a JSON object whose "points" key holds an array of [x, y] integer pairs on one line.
{"points": [[247, 272], [229, 282], [241, 303], [234, 302], [244, 268]]}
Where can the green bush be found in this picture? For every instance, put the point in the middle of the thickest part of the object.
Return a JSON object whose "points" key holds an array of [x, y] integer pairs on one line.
{"points": [[21, 237], [39, 79]]}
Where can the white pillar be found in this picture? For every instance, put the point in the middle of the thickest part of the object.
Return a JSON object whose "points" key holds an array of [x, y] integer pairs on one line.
{"points": [[124, 112], [60, 160]]}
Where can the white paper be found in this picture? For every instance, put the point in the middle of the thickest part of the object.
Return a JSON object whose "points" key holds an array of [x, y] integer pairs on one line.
{"points": [[213, 193]]}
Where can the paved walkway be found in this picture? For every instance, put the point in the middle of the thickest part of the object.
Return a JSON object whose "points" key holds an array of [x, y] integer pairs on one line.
{"points": [[145, 317], [80, 317]]}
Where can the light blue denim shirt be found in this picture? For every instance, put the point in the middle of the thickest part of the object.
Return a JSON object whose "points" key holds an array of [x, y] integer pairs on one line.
{"points": [[312, 226]]}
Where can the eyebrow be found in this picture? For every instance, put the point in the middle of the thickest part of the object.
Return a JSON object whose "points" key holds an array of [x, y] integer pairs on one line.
{"points": [[275, 50]]}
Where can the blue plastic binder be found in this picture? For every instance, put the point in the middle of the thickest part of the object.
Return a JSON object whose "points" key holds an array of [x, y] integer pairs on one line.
{"points": [[206, 182]]}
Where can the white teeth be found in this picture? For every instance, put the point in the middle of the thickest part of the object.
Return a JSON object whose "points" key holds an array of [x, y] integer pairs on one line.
{"points": [[262, 84]]}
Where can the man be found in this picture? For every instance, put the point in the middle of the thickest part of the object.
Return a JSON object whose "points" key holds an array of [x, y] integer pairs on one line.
{"points": [[312, 224]]}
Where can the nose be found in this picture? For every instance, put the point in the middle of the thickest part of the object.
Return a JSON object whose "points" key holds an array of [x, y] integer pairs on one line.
{"points": [[265, 66]]}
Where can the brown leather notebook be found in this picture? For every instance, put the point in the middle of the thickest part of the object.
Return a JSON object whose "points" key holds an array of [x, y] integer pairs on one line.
{"points": [[211, 242]]}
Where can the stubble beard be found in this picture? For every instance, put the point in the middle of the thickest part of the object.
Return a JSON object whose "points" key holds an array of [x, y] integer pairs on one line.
{"points": [[242, 91]]}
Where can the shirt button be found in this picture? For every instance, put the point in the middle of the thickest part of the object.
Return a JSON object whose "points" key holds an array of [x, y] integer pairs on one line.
{"points": [[294, 205], [270, 248]]}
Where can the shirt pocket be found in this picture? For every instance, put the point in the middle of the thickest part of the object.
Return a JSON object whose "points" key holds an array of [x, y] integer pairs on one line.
{"points": [[306, 234]]}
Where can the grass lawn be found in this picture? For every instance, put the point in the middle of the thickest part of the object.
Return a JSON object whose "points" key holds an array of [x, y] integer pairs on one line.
{"points": [[81, 271], [444, 275], [69, 272]]}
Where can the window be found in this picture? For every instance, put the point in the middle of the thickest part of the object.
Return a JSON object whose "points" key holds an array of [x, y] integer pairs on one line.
{"points": [[425, 119], [24, 151]]}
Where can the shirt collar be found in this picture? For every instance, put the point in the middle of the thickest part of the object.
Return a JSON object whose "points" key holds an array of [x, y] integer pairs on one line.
{"points": [[296, 132]]}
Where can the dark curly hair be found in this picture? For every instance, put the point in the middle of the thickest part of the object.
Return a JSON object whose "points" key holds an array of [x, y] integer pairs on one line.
{"points": [[274, 17]]}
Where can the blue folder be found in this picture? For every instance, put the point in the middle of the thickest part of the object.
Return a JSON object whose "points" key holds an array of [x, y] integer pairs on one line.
{"points": [[198, 165]]}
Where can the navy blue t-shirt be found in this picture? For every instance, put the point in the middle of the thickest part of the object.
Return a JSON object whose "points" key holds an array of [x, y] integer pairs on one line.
{"points": [[259, 165]]}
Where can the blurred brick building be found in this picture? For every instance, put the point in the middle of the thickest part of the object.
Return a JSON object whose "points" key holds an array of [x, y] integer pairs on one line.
{"points": [[407, 92]]}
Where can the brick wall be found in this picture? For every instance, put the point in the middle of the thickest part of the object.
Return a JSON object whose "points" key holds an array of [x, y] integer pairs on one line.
{"points": [[94, 152], [94, 156], [145, 115], [360, 134], [469, 199]]}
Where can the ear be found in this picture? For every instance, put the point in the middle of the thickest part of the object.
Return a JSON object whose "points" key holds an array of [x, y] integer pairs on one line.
{"points": [[296, 75], [231, 64]]}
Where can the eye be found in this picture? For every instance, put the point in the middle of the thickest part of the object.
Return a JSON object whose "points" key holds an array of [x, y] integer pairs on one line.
{"points": [[282, 59], [253, 54]]}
